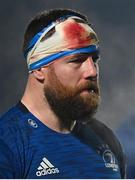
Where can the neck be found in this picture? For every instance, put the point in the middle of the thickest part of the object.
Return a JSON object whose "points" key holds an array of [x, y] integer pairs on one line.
{"points": [[37, 104]]}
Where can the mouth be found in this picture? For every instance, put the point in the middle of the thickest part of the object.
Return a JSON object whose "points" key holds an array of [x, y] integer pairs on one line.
{"points": [[92, 90]]}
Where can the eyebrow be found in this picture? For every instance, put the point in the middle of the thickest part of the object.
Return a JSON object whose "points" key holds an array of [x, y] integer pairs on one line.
{"points": [[83, 56], [74, 57]]}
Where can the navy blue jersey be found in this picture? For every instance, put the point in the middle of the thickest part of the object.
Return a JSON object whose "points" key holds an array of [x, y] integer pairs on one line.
{"points": [[29, 149]]}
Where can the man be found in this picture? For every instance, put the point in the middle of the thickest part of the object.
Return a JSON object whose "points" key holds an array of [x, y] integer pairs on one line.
{"points": [[51, 132]]}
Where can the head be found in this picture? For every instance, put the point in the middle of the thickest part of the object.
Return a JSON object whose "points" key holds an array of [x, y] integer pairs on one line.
{"points": [[64, 62], [42, 20]]}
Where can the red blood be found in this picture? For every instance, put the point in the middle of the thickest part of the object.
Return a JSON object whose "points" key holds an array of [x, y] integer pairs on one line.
{"points": [[76, 35]]}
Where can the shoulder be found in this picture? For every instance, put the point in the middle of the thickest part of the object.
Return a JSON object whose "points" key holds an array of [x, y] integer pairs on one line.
{"points": [[15, 116], [8, 120], [11, 119], [99, 128], [14, 142], [9, 144], [14, 127], [110, 138], [106, 134]]}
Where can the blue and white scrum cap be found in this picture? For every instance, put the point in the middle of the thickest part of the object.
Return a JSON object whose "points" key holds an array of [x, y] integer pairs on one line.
{"points": [[70, 37]]}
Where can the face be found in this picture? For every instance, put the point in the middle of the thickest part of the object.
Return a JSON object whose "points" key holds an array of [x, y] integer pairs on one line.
{"points": [[71, 87]]}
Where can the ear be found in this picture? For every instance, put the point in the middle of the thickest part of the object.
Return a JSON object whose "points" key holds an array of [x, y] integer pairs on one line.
{"points": [[39, 74]]}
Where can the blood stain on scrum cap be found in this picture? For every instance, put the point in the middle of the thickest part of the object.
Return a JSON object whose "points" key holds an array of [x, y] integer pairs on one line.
{"points": [[78, 34]]}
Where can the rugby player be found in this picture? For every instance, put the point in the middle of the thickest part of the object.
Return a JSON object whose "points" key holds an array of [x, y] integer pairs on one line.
{"points": [[51, 132]]}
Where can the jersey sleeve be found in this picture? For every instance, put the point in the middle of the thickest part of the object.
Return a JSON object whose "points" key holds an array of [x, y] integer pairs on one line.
{"points": [[110, 138], [6, 161], [10, 153]]}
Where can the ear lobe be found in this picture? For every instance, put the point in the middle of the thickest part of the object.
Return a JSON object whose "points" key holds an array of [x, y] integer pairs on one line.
{"points": [[39, 74]]}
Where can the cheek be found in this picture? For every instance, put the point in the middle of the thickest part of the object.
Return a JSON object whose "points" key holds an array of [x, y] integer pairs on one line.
{"points": [[67, 76]]}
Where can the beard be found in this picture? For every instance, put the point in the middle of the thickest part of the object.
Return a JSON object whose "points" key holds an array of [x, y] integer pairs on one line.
{"points": [[72, 103]]}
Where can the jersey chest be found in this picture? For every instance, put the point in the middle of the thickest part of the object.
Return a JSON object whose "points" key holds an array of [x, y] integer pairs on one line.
{"points": [[64, 156]]}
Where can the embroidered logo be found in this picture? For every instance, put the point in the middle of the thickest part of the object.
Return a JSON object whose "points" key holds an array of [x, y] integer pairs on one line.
{"points": [[32, 123], [46, 168], [109, 160]]}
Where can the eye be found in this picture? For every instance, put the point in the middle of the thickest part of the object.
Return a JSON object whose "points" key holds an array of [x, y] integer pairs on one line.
{"points": [[95, 57], [83, 57], [78, 60]]}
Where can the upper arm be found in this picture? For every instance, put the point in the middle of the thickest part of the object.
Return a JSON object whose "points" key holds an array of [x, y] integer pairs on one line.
{"points": [[6, 161]]}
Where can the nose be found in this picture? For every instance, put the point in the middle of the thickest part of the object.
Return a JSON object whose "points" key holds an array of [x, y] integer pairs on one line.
{"points": [[90, 69]]}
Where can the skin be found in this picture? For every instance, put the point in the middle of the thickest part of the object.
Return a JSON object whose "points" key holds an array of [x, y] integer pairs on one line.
{"points": [[70, 73], [74, 73]]}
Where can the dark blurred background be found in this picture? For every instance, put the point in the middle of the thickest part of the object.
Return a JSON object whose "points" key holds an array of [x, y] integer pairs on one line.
{"points": [[114, 22]]}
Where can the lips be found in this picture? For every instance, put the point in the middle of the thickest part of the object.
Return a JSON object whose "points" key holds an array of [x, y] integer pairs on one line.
{"points": [[91, 89], [94, 89]]}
